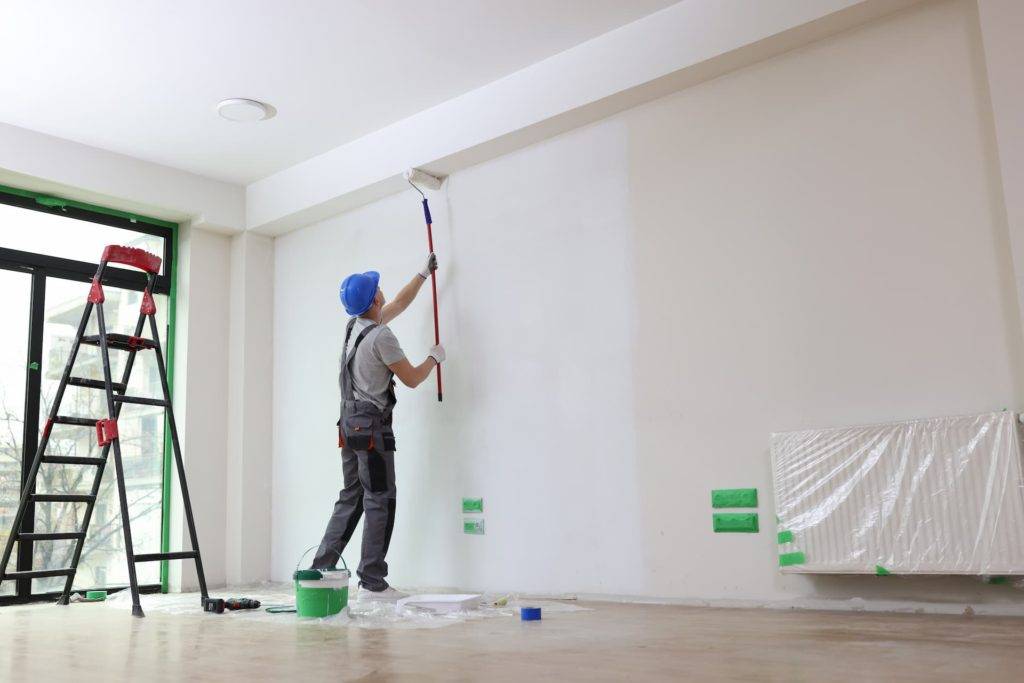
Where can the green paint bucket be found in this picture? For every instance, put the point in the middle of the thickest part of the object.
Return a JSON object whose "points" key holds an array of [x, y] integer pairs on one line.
{"points": [[320, 592]]}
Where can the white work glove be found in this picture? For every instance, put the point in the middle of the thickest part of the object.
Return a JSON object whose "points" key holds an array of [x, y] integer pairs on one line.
{"points": [[437, 353], [430, 266]]}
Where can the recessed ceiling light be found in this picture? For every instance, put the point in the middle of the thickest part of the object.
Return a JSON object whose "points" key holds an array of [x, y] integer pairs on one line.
{"points": [[241, 109]]}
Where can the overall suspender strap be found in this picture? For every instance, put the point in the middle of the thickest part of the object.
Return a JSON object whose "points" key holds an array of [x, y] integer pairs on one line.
{"points": [[346, 358], [345, 376], [362, 335]]}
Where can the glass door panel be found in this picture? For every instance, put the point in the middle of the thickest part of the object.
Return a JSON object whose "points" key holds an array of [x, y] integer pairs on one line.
{"points": [[141, 429], [15, 295]]}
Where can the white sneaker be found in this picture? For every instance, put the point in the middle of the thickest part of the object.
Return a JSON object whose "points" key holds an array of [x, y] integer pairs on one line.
{"points": [[389, 594]]}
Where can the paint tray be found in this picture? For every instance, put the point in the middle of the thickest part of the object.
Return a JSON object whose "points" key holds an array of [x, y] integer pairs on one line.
{"points": [[440, 603]]}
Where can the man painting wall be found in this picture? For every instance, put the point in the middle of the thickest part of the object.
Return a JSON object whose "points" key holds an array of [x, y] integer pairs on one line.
{"points": [[365, 430]]}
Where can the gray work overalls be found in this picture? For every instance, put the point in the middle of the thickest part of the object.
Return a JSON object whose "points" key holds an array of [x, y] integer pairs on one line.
{"points": [[368, 466]]}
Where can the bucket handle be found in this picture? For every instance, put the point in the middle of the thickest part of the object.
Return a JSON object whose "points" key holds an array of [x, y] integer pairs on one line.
{"points": [[312, 547]]}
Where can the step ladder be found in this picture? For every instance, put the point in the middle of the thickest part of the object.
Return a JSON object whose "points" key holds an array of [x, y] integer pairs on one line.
{"points": [[106, 433]]}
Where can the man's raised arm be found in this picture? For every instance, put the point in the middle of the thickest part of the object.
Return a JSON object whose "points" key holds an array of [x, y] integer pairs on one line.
{"points": [[404, 297]]}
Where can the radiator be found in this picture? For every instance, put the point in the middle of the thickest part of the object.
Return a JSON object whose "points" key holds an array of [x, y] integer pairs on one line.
{"points": [[933, 496]]}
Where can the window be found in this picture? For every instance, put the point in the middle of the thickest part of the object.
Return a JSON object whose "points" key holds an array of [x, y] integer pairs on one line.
{"points": [[69, 238], [48, 254]]}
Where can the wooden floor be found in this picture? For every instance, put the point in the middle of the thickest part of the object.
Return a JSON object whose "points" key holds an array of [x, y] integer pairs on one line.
{"points": [[613, 642]]}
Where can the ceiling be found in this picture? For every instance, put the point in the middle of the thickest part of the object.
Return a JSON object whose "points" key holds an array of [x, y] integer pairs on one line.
{"points": [[143, 78]]}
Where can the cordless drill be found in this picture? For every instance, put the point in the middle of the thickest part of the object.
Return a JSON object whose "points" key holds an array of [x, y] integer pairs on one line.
{"points": [[218, 605]]}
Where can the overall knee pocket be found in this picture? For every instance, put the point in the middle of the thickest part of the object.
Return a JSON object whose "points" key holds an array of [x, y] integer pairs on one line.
{"points": [[378, 469]]}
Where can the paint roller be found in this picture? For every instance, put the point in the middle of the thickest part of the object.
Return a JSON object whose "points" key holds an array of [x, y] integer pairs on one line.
{"points": [[418, 178]]}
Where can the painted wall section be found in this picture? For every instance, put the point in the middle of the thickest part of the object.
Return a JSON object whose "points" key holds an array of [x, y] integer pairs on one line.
{"points": [[249, 409], [525, 244], [837, 256], [632, 308], [200, 385]]}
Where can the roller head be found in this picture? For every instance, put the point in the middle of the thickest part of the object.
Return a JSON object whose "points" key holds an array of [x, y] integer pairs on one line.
{"points": [[418, 177]]}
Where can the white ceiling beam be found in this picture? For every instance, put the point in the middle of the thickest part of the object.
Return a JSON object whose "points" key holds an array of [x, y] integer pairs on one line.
{"points": [[689, 42], [42, 163]]}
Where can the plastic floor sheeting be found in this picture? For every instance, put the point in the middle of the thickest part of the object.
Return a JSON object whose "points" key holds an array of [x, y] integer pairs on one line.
{"points": [[372, 615]]}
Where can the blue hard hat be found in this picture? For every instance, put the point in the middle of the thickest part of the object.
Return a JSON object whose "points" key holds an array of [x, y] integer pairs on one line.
{"points": [[358, 290]]}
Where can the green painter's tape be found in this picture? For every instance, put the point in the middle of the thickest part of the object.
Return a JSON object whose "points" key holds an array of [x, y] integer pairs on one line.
{"points": [[789, 559], [785, 537], [741, 522], [472, 504], [165, 506], [734, 498], [881, 571], [473, 526], [52, 202], [59, 203]]}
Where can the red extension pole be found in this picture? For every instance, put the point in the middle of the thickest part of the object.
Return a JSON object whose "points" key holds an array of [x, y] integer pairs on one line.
{"points": [[433, 287]]}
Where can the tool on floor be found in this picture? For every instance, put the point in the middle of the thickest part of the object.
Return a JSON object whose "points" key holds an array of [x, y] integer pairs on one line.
{"points": [[439, 603], [281, 609], [529, 613], [106, 434], [218, 605], [241, 603], [416, 177]]}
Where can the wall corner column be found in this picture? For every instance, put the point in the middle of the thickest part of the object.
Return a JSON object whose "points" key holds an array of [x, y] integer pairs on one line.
{"points": [[250, 405], [1002, 25]]}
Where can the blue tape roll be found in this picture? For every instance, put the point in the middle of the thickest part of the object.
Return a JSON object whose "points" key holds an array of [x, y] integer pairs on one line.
{"points": [[529, 613]]}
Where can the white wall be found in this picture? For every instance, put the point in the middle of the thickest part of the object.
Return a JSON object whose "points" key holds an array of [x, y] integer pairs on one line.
{"points": [[1002, 24], [247, 491], [677, 46], [631, 308], [521, 267], [828, 231], [43, 163], [222, 403], [200, 405]]}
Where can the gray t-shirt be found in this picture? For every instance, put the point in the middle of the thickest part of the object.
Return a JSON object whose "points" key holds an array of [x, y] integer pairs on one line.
{"points": [[370, 373]]}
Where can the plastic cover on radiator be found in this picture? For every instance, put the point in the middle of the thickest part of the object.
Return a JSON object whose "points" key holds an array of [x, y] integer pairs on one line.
{"points": [[934, 496]]}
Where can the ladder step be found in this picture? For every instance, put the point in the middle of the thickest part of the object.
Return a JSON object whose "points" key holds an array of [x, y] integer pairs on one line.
{"points": [[155, 557], [142, 400], [57, 536], [39, 573], [80, 421], [121, 342], [71, 460], [63, 497], [96, 384]]}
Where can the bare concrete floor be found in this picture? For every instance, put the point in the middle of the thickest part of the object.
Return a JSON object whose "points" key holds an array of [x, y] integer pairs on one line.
{"points": [[85, 642]]}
